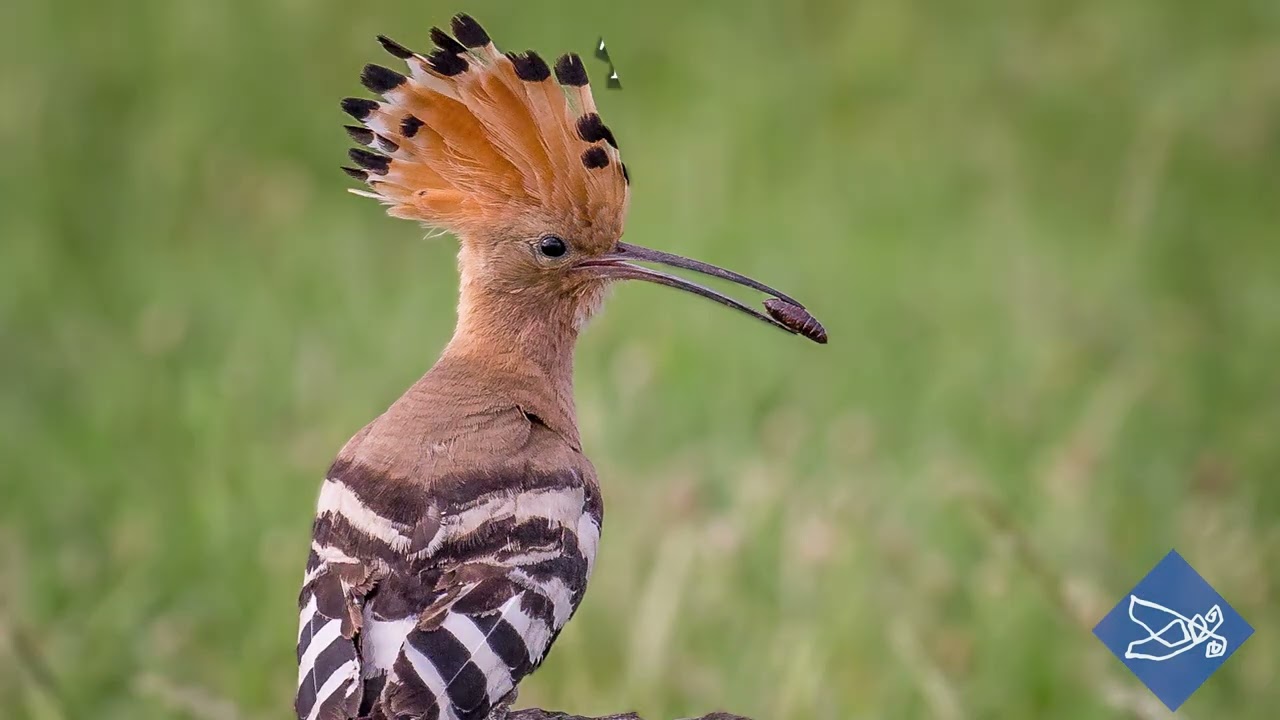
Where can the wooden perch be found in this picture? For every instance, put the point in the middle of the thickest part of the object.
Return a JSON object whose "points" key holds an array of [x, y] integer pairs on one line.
{"points": [[536, 714]]}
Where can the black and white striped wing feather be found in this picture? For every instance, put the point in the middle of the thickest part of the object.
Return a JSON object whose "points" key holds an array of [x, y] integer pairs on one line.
{"points": [[451, 596], [329, 665]]}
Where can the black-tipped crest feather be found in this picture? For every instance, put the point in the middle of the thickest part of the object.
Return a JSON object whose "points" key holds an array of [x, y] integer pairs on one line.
{"points": [[362, 135], [447, 63], [380, 79], [468, 31], [395, 48], [595, 157], [570, 70], [358, 108], [530, 66], [371, 161], [443, 41], [592, 129], [410, 125]]}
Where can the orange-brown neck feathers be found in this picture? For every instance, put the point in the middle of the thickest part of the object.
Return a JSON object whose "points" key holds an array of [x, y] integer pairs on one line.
{"points": [[518, 345]]}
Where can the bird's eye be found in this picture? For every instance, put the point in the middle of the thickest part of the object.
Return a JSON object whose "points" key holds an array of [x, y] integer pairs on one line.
{"points": [[552, 246]]}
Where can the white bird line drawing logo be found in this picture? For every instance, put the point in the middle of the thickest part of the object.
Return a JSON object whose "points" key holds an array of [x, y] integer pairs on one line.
{"points": [[1177, 633]]}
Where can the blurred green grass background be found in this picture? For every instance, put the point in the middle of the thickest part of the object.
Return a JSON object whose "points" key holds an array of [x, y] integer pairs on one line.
{"points": [[1044, 238]]}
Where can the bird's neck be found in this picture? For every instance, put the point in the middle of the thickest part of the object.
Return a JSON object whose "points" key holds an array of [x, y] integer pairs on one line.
{"points": [[512, 348], [510, 337]]}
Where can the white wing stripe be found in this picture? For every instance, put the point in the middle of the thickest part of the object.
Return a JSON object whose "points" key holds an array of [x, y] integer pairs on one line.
{"points": [[329, 554], [535, 633], [335, 497], [558, 506], [430, 677], [346, 671], [382, 640], [305, 616], [497, 676], [323, 638], [554, 590], [588, 540]]}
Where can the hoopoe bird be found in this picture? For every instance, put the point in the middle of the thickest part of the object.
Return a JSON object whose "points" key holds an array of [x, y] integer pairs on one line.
{"points": [[455, 533]]}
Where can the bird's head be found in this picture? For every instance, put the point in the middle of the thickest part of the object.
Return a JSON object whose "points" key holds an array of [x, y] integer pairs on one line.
{"points": [[510, 155]]}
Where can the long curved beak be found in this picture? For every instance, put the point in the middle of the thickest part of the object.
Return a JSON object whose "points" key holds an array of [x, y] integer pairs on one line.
{"points": [[785, 313]]}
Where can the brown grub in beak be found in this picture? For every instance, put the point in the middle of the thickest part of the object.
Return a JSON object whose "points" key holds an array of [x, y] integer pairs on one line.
{"points": [[796, 318]]}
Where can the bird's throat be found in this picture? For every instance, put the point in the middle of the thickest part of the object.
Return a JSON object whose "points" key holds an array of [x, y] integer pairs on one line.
{"points": [[513, 347]]}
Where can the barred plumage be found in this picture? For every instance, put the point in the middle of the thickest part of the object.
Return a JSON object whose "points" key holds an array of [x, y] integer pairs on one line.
{"points": [[437, 603]]}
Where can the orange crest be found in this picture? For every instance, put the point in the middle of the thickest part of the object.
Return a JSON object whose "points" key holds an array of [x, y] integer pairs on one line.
{"points": [[483, 144]]}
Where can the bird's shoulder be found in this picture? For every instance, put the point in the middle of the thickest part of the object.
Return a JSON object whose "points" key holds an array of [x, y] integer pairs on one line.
{"points": [[401, 467]]}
